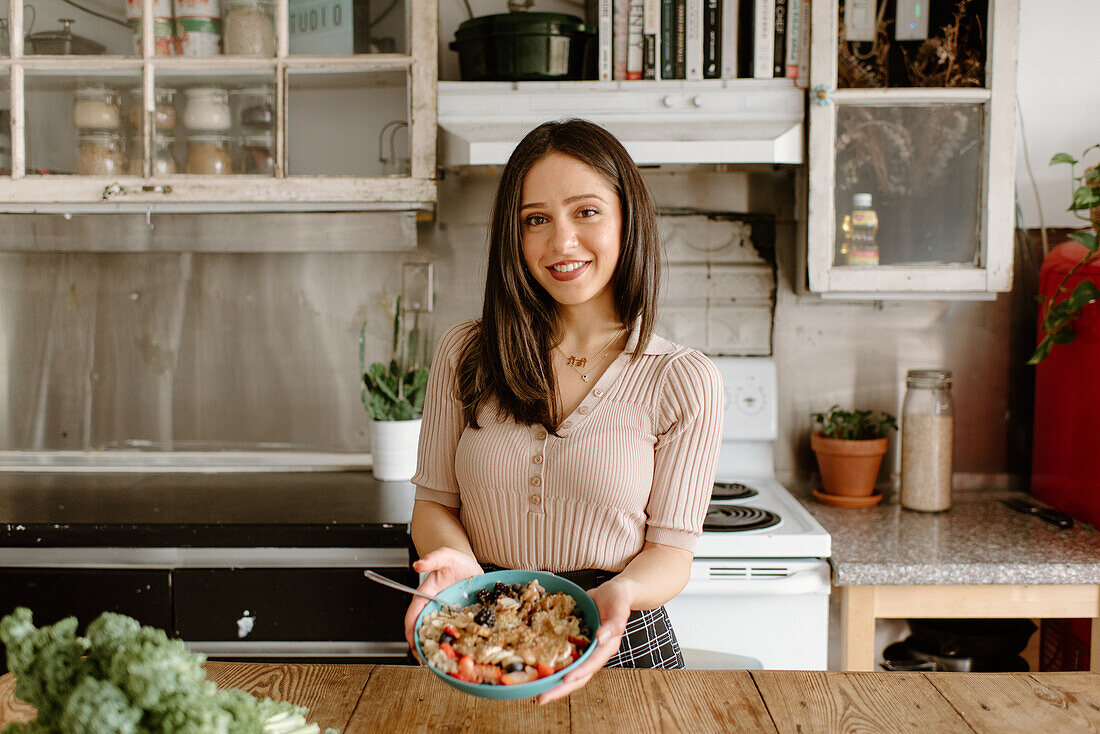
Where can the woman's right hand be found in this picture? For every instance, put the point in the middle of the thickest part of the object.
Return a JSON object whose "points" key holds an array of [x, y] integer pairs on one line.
{"points": [[444, 567]]}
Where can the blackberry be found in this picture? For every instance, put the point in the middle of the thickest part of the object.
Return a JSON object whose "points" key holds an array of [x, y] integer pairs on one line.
{"points": [[486, 617], [485, 597]]}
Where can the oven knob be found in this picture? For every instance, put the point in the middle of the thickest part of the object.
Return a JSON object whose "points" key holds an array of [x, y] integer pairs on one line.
{"points": [[751, 400]]}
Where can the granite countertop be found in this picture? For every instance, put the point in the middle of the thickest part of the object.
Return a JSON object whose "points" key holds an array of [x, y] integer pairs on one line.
{"points": [[978, 541]]}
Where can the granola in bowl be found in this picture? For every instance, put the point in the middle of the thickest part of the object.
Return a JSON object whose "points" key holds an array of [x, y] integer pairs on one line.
{"points": [[514, 634]]}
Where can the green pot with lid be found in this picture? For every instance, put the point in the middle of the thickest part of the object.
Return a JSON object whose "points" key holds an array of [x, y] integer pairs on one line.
{"points": [[523, 46]]}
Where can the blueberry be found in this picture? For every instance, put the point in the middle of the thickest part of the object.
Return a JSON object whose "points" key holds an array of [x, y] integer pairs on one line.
{"points": [[446, 637], [516, 667]]}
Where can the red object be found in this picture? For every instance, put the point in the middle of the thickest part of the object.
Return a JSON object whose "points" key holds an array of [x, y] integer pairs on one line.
{"points": [[1065, 467]]}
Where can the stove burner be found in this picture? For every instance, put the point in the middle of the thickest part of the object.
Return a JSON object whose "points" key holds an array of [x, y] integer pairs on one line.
{"points": [[732, 491], [735, 518]]}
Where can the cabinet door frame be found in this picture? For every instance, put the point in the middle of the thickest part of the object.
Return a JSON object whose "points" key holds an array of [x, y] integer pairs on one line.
{"points": [[997, 197], [416, 189]]}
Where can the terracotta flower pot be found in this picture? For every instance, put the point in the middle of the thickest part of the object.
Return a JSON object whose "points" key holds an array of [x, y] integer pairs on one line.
{"points": [[848, 468]]}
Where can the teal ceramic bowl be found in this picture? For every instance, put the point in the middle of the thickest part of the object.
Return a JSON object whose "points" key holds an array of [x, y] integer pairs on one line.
{"points": [[464, 593]]}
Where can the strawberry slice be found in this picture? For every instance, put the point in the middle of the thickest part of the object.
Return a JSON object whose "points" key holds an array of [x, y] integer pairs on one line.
{"points": [[489, 673], [450, 630], [446, 649], [459, 676], [544, 670], [580, 642], [466, 666], [526, 675]]}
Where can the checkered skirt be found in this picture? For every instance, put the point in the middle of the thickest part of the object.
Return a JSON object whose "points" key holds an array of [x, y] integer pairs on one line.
{"points": [[649, 642]]}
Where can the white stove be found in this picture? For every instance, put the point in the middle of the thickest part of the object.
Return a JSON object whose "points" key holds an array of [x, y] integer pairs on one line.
{"points": [[761, 560]]}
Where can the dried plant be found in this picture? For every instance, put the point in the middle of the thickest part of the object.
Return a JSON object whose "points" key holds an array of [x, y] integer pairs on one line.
{"points": [[942, 62], [867, 70], [903, 150]]}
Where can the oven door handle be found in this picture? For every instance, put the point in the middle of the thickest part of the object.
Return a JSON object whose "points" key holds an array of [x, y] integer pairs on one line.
{"points": [[804, 581]]}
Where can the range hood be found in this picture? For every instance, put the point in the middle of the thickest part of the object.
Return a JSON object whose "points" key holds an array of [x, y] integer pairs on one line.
{"points": [[659, 122]]}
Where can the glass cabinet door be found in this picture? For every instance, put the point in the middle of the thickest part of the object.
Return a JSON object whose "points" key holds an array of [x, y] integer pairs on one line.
{"points": [[907, 185], [911, 165]]}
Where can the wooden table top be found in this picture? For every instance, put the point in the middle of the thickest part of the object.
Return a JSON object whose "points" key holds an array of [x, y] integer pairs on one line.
{"points": [[386, 698]]}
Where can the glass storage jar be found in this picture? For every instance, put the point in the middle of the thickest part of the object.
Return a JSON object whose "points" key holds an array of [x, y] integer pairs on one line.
{"points": [[208, 155], [99, 153], [249, 28], [927, 432], [207, 108], [164, 112], [164, 160], [255, 108], [96, 108], [258, 154]]}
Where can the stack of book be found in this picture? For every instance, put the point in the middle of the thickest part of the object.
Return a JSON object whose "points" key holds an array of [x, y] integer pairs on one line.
{"points": [[703, 39]]}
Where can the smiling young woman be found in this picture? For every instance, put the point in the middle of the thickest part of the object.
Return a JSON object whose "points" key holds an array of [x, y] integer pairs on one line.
{"points": [[560, 434]]}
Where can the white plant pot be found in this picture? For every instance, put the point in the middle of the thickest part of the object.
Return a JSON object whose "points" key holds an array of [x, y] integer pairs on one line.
{"points": [[393, 449]]}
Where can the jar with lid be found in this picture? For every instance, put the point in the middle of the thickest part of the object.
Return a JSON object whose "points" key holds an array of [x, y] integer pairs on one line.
{"points": [[96, 108], [207, 109], [258, 154], [927, 432], [164, 160], [164, 112], [255, 107], [249, 28], [99, 153], [208, 155]]}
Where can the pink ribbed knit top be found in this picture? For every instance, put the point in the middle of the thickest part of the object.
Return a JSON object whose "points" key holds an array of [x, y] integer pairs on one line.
{"points": [[634, 462]]}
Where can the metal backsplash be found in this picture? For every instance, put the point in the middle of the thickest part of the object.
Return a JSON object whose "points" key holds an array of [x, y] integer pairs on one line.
{"points": [[167, 351]]}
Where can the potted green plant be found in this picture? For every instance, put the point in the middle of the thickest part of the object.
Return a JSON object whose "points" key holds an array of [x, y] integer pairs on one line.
{"points": [[849, 446], [393, 396], [1064, 306]]}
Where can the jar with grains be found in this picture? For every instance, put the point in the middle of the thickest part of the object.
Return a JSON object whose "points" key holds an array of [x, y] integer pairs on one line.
{"points": [[164, 159], [209, 155], [258, 154], [164, 112], [207, 109], [99, 153], [249, 28], [927, 432], [96, 108], [255, 107]]}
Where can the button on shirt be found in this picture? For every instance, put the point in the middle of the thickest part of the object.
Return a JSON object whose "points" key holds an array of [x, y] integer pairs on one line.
{"points": [[634, 462]]}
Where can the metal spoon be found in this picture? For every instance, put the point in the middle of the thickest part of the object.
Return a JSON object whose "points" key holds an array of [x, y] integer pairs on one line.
{"points": [[408, 589]]}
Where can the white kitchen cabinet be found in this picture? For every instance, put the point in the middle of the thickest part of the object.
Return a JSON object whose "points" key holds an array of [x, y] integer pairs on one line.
{"points": [[337, 118], [659, 122], [938, 162]]}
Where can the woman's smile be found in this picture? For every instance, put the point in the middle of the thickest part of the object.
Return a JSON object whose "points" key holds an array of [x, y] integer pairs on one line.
{"points": [[569, 270]]}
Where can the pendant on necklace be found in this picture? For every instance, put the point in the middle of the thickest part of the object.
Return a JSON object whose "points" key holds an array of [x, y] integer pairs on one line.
{"points": [[584, 378]]}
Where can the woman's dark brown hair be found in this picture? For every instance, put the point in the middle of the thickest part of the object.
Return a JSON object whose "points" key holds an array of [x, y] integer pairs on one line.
{"points": [[507, 357]]}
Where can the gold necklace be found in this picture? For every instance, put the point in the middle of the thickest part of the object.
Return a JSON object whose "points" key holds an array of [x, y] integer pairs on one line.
{"points": [[579, 363]]}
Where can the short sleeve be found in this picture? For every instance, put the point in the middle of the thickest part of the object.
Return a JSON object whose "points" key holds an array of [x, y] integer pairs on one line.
{"points": [[442, 422], [689, 420]]}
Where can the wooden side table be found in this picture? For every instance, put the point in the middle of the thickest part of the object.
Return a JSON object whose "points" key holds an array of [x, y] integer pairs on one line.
{"points": [[860, 606]]}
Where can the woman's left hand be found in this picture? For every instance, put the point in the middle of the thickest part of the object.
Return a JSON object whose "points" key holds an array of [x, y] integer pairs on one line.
{"points": [[613, 600]]}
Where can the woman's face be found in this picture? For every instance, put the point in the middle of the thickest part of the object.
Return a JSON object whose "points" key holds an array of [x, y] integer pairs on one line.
{"points": [[571, 226]]}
